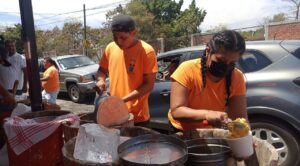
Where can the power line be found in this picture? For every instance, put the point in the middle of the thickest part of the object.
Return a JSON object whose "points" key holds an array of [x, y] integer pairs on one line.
{"points": [[72, 12], [34, 13], [71, 18], [94, 8]]}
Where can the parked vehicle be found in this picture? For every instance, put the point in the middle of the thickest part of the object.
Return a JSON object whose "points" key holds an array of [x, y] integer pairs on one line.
{"points": [[76, 75], [272, 72]]}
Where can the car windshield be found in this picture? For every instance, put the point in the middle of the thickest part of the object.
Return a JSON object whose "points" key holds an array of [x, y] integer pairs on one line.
{"points": [[74, 62]]}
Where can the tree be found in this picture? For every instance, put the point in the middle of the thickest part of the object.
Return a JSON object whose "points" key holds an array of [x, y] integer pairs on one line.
{"points": [[143, 18], [296, 4], [164, 11], [162, 19], [275, 18], [217, 28], [187, 23], [14, 33], [48, 42]]}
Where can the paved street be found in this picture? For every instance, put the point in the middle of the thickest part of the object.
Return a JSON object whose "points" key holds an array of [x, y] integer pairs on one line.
{"points": [[66, 104]]}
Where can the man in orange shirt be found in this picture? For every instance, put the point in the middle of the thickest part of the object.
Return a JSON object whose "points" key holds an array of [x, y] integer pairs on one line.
{"points": [[131, 66], [50, 81], [202, 88]]}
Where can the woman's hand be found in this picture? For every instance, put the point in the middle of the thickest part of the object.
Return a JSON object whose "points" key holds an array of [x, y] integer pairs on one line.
{"points": [[215, 118]]}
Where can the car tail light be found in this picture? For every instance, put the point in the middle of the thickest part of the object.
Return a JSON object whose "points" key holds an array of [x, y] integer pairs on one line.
{"points": [[297, 81]]}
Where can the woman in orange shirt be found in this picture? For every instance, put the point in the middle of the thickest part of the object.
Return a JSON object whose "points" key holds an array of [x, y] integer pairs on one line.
{"points": [[203, 89], [50, 81]]}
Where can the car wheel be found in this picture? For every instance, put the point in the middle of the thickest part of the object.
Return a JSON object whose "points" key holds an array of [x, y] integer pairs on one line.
{"points": [[282, 138], [75, 94]]}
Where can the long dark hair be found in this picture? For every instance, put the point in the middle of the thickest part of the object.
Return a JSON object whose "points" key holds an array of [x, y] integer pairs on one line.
{"points": [[51, 61], [229, 40]]}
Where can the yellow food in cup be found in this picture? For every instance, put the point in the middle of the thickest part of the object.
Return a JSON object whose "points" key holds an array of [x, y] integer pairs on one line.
{"points": [[238, 128]]}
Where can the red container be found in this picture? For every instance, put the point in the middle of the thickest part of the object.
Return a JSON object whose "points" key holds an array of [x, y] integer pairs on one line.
{"points": [[46, 152], [3, 115]]}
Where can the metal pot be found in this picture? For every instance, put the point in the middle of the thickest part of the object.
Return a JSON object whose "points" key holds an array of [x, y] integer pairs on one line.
{"points": [[153, 150], [208, 151]]}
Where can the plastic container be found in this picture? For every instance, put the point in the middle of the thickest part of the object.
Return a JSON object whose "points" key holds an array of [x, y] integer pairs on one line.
{"points": [[46, 152]]}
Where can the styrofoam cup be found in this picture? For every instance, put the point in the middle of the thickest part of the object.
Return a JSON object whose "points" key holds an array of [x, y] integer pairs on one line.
{"points": [[241, 147]]}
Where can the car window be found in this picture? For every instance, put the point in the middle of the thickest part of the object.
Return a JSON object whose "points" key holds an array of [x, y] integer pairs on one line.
{"points": [[168, 65], [196, 54], [296, 53], [74, 62], [253, 60]]}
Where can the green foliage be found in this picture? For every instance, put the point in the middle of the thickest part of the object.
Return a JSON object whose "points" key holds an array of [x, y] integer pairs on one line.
{"points": [[142, 17], [154, 19], [218, 28], [279, 17], [14, 33], [165, 11], [163, 19], [257, 34]]}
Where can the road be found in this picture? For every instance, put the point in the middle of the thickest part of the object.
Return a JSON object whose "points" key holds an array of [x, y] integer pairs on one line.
{"points": [[66, 104]]}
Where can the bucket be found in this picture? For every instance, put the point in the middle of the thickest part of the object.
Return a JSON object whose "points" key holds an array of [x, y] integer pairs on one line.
{"points": [[3, 115], [68, 148], [71, 131], [46, 152], [266, 154]]}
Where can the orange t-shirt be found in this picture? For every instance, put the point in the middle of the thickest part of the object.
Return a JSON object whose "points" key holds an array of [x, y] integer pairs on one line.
{"points": [[213, 95], [126, 69], [51, 85]]}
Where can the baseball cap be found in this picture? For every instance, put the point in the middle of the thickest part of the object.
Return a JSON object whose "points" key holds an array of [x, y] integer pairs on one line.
{"points": [[122, 23]]}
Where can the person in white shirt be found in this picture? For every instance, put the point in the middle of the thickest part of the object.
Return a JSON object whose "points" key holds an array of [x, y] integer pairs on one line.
{"points": [[17, 70]]}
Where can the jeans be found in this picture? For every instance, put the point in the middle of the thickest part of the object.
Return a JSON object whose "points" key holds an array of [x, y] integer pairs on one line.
{"points": [[50, 96]]}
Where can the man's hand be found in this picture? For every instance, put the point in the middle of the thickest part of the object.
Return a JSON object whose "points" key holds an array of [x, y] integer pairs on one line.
{"points": [[100, 87]]}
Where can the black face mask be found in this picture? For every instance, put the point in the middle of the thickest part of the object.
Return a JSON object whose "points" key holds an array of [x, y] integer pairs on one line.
{"points": [[220, 69]]}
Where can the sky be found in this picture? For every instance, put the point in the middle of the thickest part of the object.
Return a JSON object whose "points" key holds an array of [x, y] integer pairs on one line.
{"points": [[234, 14]]}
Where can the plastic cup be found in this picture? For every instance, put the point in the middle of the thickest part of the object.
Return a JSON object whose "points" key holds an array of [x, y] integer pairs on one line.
{"points": [[241, 147]]}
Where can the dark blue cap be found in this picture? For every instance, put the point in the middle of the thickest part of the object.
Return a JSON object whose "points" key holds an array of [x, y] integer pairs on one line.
{"points": [[122, 23]]}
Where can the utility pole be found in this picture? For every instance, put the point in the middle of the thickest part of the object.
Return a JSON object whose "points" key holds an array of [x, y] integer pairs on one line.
{"points": [[84, 31], [28, 37], [162, 44]]}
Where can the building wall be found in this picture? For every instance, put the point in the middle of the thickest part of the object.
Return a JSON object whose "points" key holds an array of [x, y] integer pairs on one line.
{"points": [[288, 30], [284, 31]]}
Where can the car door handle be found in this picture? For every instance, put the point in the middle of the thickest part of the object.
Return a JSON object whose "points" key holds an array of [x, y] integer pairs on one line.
{"points": [[165, 93]]}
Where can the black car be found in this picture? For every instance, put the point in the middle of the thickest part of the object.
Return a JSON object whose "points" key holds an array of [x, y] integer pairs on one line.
{"points": [[272, 72]]}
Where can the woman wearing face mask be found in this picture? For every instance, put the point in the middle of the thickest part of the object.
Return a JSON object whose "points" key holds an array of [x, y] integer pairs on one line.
{"points": [[203, 89]]}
